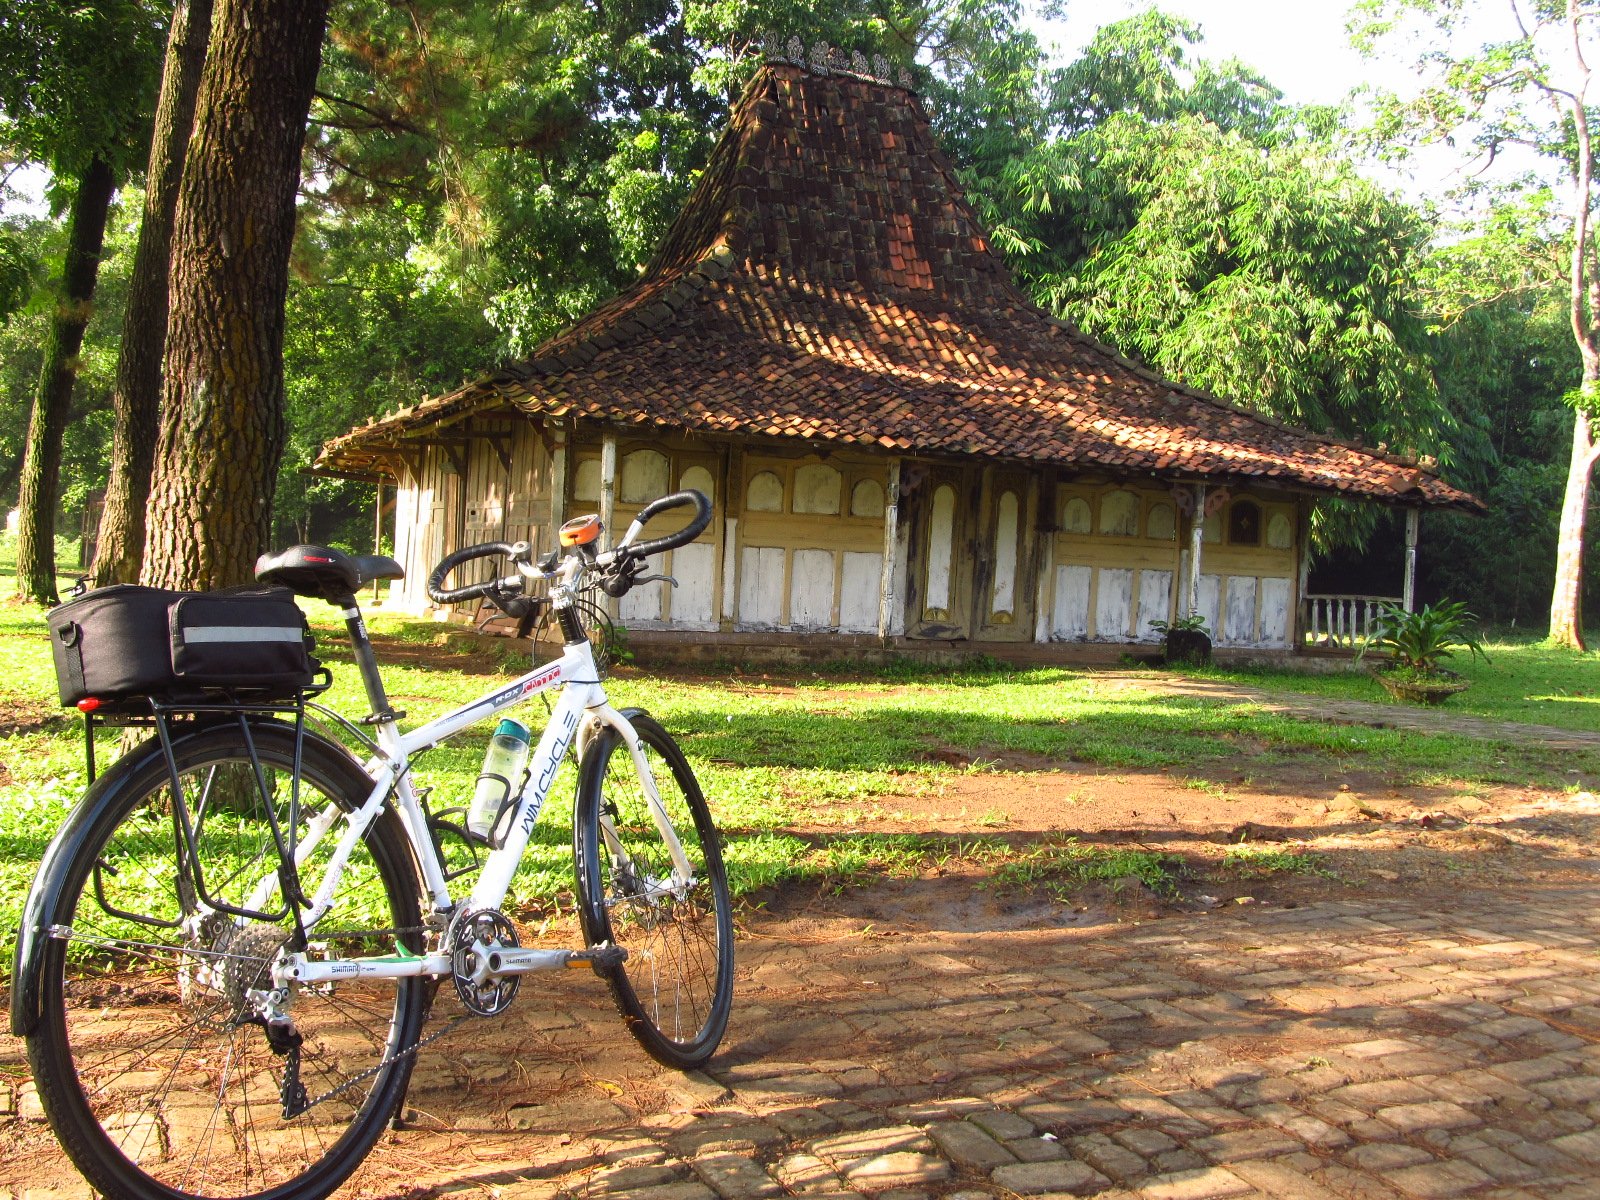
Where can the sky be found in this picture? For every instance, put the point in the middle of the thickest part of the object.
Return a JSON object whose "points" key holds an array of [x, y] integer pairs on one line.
{"points": [[1301, 48], [1299, 45]]}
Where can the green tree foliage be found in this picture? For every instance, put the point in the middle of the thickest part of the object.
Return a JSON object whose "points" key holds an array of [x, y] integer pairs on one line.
{"points": [[76, 81], [1503, 358], [1526, 86], [76, 85], [22, 339], [370, 321], [1270, 276], [1180, 211], [17, 271], [540, 149]]}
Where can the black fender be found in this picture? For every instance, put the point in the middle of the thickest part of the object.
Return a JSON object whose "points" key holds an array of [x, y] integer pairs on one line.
{"points": [[39, 909], [36, 919]]}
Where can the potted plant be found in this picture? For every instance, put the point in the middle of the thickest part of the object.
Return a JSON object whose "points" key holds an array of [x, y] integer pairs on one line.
{"points": [[1185, 641], [1414, 643]]}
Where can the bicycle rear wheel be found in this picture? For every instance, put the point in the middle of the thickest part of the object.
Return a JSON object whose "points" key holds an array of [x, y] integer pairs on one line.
{"points": [[676, 988], [152, 1056]]}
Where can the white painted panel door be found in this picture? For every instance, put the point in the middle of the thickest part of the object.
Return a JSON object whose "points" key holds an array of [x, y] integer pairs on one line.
{"points": [[641, 604], [1113, 610], [860, 592], [811, 590], [1210, 604], [941, 550], [761, 587], [1276, 624], [1005, 555], [695, 569], [1069, 620], [407, 522], [1239, 627], [1155, 602]]}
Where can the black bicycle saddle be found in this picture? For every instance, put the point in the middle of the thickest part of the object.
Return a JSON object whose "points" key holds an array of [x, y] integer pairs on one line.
{"points": [[325, 574]]}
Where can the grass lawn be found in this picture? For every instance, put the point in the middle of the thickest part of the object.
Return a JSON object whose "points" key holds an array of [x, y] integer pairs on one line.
{"points": [[768, 752], [1519, 680]]}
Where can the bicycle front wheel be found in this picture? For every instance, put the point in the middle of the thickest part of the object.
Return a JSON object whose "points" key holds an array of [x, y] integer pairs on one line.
{"points": [[164, 1062], [675, 989]]}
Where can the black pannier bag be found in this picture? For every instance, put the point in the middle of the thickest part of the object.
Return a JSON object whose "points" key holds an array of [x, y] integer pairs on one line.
{"points": [[125, 641]]}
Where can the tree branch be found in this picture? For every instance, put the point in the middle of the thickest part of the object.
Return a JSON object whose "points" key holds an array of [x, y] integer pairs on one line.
{"points": [[390, 184], [387, 120], [1580, 282]]}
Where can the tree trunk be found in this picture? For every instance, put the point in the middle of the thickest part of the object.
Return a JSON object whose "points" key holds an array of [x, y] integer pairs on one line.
{"points": [[41, 466], [1566, 603], [222, 399], [1583, 292], [136, 403]]}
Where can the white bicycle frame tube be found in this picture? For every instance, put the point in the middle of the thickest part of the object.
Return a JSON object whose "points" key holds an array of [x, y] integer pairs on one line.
{"points": [[582, 695]]}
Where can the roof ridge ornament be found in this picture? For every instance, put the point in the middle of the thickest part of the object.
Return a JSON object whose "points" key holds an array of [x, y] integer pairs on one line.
{"points": [[827, 59]]}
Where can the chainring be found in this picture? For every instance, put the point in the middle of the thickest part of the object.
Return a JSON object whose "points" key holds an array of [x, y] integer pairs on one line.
{"points": [[477, 935]]}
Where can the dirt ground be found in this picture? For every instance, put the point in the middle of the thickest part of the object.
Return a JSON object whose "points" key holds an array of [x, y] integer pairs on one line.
{"points": [[538, 1086], [1361, 834], [542, 1082]]}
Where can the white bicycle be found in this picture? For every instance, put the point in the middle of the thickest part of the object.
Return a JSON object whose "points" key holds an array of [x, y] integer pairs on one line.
{"points": [[231, 945]]}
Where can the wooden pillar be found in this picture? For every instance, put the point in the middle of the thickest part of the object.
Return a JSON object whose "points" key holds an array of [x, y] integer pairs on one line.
{"points": [[608, 482], [1409, 589], [608, 498], [732, 505], [1191, 582], [560, 473], [891, 551], [377, 531], [1303, 620], [1035, 547]]}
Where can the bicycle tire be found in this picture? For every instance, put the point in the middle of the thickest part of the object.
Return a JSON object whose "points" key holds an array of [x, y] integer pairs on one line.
{"points": [[153, 1078], [675, 990]]}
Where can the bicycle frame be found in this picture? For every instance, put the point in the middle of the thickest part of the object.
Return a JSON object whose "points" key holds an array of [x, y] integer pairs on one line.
{"points": [[583, 706]]}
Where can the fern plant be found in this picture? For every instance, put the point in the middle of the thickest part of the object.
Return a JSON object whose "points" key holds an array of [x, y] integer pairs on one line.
{"points": [[1418, 641]]}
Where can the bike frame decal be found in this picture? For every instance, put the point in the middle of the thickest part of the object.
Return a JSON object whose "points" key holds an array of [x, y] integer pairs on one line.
{"points": [[582, 698]]}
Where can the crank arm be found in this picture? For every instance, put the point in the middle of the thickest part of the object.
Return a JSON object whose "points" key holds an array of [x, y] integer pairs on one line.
{"points": [[518, 961]]}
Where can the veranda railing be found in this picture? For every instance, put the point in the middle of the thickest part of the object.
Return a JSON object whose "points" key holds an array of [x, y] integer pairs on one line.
{"points": [[1342, 622]]}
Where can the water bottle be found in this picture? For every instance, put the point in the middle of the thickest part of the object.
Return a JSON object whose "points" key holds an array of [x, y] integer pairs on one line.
{"points": [[501, 775]]}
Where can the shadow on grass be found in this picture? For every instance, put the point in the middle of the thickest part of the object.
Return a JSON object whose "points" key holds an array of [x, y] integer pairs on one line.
{"points": [[1177, 864], [1112, 733]]}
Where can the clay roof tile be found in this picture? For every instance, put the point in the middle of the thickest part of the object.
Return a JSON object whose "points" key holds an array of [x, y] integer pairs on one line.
{"points": [[839, 264]]}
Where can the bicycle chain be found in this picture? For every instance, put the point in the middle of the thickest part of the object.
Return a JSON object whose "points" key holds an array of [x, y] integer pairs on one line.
{"points": [[399, 1055], [408, 1052]]}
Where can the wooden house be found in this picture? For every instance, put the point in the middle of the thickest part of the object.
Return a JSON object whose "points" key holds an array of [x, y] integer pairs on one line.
{"points": [[901, 447]]}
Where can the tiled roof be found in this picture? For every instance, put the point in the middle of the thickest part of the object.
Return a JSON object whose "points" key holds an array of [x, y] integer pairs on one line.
{"points": [[828, 282]]}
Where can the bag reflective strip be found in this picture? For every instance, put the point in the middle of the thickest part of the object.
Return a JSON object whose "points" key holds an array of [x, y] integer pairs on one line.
{"points": [[241, 633]]}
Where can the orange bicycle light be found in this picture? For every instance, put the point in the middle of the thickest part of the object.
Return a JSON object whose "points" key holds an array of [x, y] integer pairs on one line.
{"points": [[580, 531]]}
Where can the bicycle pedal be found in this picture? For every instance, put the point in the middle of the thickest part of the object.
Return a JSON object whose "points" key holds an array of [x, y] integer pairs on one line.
{"points": [[603, 957]]}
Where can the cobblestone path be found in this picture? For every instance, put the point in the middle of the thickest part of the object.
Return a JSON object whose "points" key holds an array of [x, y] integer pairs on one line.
{"points": [[1360, 1049], [1342, 1050]]}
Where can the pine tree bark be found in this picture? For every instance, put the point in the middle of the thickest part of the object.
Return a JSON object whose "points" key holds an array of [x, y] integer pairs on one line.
{"points": [[136, 403], [222, 421], [41, 465]]}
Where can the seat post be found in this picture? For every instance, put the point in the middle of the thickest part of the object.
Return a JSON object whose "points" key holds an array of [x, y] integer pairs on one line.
{"points": [[366, 660]]}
